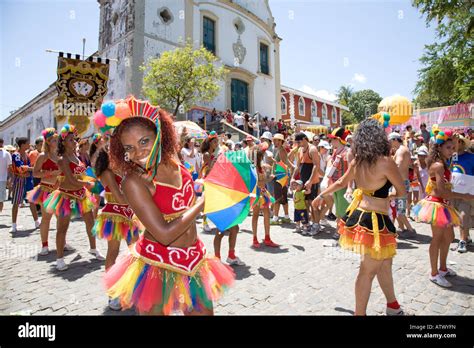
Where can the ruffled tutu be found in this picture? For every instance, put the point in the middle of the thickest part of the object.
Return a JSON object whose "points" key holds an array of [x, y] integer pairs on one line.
{"points": [[64, 202], [359, 235], [39, 194], [265, 199], [110, 226], [437, 212], [161, 285]]}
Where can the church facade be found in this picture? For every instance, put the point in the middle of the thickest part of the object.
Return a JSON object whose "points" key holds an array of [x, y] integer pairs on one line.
{"points": [[241, 33]]}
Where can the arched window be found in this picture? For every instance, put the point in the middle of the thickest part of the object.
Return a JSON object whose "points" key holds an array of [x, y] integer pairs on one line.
{"points": [[334, 115], [314, 112], [325, 112], [301, 106], [283, 105]]}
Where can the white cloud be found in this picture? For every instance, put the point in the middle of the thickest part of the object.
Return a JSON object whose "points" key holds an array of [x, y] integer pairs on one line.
{"points": [[360, 78], [322, 93]]}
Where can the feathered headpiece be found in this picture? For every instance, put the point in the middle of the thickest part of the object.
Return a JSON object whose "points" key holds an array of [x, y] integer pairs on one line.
{"points": [[112, 113], [96, 138], [442, 137], [48, 133], [68, 129]]}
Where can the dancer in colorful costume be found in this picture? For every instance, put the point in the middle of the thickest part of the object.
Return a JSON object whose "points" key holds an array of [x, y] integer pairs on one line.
{"points": [[366, 228], [71, 199], [46, 168], [436, 208], [168, 269], [264, 200]]}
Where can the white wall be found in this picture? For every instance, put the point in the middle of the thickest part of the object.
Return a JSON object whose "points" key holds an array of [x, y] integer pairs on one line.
{"points": [[264, 86], [154, 26]]}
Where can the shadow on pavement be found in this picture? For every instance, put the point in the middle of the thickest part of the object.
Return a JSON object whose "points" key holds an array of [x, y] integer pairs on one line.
{"points": [[419, 239], [23, 233], [298, 247], [461, 284], [270, 250], [51, 257], [242, 272], [245, 230], [127, 312], [5, 226], [343, 310], [266, 273], [77, 270], [404, 245]]}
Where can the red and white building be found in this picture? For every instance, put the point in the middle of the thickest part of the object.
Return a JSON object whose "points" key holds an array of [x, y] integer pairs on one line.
{"points": [[307, 109]]}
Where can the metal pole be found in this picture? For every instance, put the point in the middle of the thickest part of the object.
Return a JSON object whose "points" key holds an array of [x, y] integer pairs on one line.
{"points": [[83, 48], [258, 125]]}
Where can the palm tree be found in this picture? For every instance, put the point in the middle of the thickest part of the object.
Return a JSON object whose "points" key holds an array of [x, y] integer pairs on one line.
{"points": [[344, 95]]}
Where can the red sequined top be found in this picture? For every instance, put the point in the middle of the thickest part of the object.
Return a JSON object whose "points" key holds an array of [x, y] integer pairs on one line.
{"points": [[174, 201], [49, 164]]}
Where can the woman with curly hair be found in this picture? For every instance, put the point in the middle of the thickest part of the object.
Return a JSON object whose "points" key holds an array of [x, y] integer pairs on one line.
{"points": [[437, 211], [71, 199], [366, 228], [167, 269]]}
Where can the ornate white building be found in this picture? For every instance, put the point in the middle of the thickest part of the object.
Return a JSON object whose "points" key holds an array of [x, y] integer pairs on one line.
{"points": [[241, 33]]}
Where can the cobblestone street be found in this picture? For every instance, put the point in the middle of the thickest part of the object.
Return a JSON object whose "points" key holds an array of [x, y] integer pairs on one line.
{"points": [[306, 276]]}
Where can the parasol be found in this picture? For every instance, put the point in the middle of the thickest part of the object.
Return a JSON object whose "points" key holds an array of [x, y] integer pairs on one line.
{"points": [[230, 188], [281, 174]]}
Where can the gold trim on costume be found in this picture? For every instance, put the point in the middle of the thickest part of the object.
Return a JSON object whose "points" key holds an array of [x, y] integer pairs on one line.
{"points": [[166, 266]]}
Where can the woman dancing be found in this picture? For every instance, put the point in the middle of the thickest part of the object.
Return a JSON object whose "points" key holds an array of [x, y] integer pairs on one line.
{"points": [[168, 269], [437, 211], [366, 228], [46, 168], [71, 198]]}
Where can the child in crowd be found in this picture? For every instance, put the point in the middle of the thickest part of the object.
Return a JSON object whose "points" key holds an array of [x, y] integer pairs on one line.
{"points": [[301, 212]]}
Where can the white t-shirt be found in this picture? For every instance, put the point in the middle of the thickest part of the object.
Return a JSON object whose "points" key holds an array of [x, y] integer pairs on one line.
{"points": [[239, 120], [194, 161], [5, 161]]}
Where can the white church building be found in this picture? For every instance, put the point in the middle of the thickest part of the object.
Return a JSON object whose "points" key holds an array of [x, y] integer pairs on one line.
{"points": [[241, 33]]}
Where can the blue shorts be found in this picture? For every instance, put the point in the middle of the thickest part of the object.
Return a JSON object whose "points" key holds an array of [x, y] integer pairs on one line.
{"points": [[301, 215]]}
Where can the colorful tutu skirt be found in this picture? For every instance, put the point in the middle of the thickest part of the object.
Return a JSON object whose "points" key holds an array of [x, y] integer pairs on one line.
{"points": [[265, 199], [156, 279], [116, 222], [368, 233], [69, 202], [40, 193], [437, 212]]}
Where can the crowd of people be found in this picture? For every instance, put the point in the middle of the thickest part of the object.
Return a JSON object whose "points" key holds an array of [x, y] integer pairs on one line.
{"points": [[141, 182]]}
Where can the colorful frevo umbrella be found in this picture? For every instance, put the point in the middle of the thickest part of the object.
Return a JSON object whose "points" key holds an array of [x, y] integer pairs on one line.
{"points": [[230, 190], [281, 173], [89, 175], [189, 167]]}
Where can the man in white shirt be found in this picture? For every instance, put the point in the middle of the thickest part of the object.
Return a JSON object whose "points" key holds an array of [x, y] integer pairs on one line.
{"points": [[239, 120], [5, 162]]}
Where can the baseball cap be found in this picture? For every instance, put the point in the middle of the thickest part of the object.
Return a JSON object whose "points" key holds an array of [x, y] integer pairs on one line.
{"points": [[394, 136], [299, 182], [325, 144]]}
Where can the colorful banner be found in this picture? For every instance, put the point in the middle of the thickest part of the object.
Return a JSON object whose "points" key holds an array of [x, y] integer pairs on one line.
{"points": [[81, 86], [455, 116]]}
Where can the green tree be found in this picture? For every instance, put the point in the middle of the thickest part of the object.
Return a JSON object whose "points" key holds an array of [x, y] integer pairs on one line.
{"points": [[447, 75], [344, 94], [182, 78], [364, 104]]}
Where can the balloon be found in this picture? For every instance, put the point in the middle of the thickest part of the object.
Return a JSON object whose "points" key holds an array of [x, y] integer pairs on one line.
{"points": [[99, 119], [108, 109], [385, 124], [449, 133], [112, 121], [122, 111]]}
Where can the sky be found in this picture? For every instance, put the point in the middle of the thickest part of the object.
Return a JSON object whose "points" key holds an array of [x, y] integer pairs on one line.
{"points": [[367, 44]]}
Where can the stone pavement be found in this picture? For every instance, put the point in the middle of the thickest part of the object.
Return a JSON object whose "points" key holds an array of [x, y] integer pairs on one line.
{"points": [[303, 277]]}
